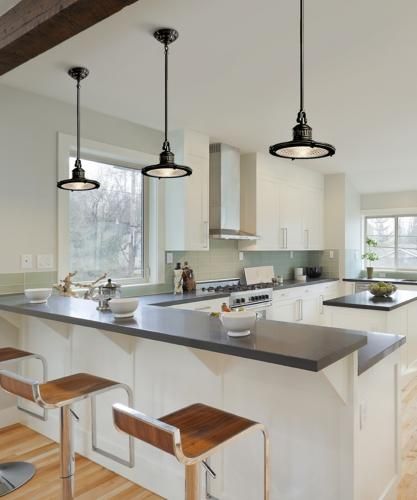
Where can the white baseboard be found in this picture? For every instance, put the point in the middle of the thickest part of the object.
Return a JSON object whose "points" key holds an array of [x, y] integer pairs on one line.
{"points": [[390, 492], [9, 416]]}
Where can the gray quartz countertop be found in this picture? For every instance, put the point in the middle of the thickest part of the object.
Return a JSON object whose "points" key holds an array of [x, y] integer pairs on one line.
{"points": [[396, 281], [379, 346], [290, 344], [365, 300]]}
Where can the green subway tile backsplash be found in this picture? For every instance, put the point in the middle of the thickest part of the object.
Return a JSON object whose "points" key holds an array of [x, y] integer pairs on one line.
{"points": [[221, 261]]}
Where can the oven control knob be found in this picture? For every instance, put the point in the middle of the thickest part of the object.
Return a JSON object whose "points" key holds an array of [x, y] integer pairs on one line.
{"points": [[242, 300], [252, 299], [237, 301]]}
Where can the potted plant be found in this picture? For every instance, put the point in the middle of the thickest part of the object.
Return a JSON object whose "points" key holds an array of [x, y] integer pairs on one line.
{"points": [[370, 256]]}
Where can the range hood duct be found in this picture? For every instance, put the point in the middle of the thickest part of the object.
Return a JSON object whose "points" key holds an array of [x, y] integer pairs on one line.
{"points": [[225, 194]]}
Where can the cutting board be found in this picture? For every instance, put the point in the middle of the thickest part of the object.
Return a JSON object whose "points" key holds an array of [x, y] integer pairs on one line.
{"points": [[259, 274]]}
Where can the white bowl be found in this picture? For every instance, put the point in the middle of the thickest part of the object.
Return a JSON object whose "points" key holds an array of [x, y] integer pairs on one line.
{"points": [[238, 323], [38, 295], [124, 308]]}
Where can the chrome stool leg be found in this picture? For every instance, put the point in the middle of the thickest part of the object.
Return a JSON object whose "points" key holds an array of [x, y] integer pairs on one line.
{"points": [[13, 475], [67, 455]]}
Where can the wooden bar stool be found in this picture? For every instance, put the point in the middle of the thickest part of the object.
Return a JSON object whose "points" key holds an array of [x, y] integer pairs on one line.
{"points": [[61, 394], [13, 475], [192, 435]]}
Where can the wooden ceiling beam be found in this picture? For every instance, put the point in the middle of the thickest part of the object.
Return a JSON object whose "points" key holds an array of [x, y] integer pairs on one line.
{"points": [[34, 26]]}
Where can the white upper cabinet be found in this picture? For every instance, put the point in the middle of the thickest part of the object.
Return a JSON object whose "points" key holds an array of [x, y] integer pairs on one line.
{"points": [[313, 218], [187, 199], [281, 203]]}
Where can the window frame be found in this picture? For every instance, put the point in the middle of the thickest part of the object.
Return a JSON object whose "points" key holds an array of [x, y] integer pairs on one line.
{"points": [[153, 253], [395, 215]]}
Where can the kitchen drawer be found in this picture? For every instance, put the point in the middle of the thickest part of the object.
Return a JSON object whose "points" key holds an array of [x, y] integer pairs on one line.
{"points": [[287, 293]]}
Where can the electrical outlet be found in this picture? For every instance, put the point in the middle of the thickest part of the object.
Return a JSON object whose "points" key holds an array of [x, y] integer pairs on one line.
{"points": [[331, 254], [26, 261], [170, 257], [241, 256], [291, 254], [363, 414], [45, 261]]}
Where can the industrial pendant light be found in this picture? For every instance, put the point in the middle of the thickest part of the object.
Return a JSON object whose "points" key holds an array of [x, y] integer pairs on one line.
{"points": [[78, 182], [166, 168], [302, 147]]}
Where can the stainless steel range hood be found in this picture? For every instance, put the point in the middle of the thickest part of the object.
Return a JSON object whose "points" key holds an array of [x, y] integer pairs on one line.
{"points": [[225, 194]]}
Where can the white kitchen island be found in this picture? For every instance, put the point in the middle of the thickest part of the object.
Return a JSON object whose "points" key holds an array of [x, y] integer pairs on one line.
{"points": [[301, 381]]}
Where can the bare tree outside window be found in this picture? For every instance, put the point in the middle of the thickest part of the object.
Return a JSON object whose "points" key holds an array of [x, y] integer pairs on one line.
{"points": [[397, 240], [106, 225]]}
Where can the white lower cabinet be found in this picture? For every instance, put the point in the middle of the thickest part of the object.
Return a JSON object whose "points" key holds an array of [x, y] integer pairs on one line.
{"points": [[303, 304]]}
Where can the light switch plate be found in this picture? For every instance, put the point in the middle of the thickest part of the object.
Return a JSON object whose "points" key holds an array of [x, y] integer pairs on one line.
{"points": [[45, 261], [170, 257], [26, 261], [331, 254], [291, 254], [241, 256]]}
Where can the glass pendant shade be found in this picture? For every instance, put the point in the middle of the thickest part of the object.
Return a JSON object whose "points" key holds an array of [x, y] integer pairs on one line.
{"points": [[166, 168], [78, 181], [302, 146]]}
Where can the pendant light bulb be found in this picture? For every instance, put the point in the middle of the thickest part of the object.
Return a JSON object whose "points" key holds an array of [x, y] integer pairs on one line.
{"points": [[302, 146], [78, 181], [166, 168]]}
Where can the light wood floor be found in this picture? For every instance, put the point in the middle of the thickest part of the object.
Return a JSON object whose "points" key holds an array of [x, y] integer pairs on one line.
{"points": [[408, 485], [92, 482]]}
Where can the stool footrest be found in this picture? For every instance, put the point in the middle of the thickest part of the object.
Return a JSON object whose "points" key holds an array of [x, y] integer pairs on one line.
{"points": [[13, 475]]}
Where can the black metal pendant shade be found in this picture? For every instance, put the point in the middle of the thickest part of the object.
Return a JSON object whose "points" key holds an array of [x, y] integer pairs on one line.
{"points": [[78, 181], [302, 146], [166, 168]]}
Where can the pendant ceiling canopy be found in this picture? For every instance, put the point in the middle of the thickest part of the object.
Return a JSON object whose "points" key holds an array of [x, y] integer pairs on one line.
{"points": [[166, 168], [302, 146], [78, 181]]}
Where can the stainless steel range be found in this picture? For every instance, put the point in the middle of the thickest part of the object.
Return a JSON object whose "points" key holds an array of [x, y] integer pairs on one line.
{"points": [[257, 298]]}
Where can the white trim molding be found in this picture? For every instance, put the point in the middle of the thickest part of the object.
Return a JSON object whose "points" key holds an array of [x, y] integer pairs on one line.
{"points": [[154, 223]]}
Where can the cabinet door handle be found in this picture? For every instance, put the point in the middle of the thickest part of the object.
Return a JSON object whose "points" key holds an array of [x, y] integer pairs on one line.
{"points": [[301, 310], [321, 304]]}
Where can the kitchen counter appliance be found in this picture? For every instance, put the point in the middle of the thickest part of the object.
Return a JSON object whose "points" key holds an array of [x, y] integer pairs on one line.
{"points": [[256, 297]]}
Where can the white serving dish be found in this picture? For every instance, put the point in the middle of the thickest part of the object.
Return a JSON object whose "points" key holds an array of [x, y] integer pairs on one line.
{"points": [[38, 295], [238, 323], [124, 308]]}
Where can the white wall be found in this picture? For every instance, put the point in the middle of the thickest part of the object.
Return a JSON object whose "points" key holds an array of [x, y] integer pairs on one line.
{"points": [[387, 201], [353, 240], [28, 143], [342, 222]]}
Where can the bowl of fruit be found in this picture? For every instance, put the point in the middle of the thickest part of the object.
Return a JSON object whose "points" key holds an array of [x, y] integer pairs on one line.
{"points": [[382, 289]]}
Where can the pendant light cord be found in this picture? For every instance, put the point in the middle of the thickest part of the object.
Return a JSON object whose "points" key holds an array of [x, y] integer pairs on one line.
{"points": [[78, 123], [301, 118], [166, 145]]}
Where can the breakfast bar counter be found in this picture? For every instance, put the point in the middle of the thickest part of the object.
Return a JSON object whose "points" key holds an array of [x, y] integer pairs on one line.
{"points": [[301, 381]]}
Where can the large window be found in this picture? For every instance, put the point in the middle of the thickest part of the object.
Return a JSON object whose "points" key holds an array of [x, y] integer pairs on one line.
{"points": [[397, 240], [106, 226]]}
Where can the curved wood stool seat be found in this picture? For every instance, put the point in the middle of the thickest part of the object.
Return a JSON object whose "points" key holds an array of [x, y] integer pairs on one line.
{"points": [[13, 475], [12, 354], [62, 393], [192, 435]]}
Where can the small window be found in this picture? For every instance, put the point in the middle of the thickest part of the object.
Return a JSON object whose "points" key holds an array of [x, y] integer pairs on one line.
{"points": [[106, 226], [396, 237]]}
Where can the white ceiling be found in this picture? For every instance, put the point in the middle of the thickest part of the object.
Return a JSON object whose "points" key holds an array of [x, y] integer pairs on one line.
{"points": [[234, 76]]}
